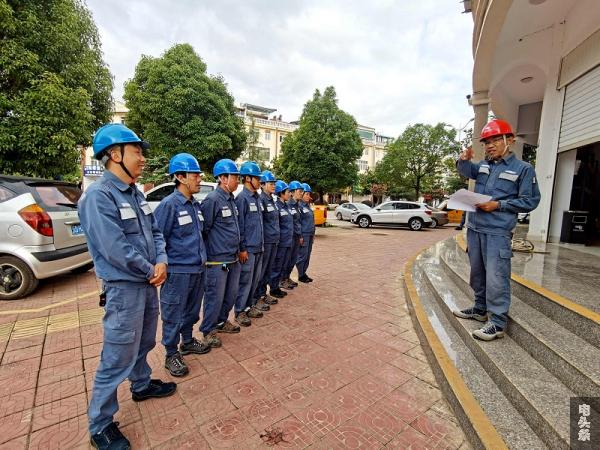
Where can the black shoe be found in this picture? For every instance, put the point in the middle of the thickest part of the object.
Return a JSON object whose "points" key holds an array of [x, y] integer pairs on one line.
{"points": [[156, 389], [471, 313], [110, 438], [176, 365], [194, 346], [489, 332], [458, 228], [292, 282], [277, 293], [304, 279], [310, 280], [270, 300]]}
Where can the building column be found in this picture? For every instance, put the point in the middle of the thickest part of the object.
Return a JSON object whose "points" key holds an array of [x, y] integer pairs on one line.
{"points": [[481, 104], [540, 221]]}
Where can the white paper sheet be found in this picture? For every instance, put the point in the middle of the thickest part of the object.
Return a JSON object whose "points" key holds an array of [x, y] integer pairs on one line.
{"points": [[466, 200]]}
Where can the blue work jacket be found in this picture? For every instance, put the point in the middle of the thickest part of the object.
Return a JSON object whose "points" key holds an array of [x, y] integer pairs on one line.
{"points": [[122, 234], [509, 181], [270, 218], [251, 221], [307, 219], [181, 222], [286, 224], [293, 205], [221, 228]]}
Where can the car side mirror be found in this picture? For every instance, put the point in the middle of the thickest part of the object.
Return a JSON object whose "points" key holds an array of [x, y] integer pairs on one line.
{"points": [[378, 208]]}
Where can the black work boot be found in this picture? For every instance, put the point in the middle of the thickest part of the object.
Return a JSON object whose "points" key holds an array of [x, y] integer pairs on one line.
{"points": [[110, 438], [156, 389], [194, 346], [176, 365], [278, 293]]}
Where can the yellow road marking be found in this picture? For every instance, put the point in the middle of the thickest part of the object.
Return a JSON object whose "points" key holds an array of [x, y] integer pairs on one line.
{"points": [[483, 427], [550, 295], [53, 305]]}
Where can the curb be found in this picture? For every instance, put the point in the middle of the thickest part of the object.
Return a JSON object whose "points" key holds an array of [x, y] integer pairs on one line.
{"points": [[478, 428]]}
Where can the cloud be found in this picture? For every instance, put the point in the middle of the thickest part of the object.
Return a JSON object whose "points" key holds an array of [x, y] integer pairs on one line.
{"points": [[392, 63]]}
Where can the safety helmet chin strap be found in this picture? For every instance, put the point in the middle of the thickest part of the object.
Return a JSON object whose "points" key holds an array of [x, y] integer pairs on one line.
{"points": [[506, 146], [226, 185], [122, 162]]}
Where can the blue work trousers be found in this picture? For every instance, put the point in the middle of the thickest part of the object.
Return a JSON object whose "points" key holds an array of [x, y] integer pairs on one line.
{"points": [[489, 256], [221, 290], [249, 277], [265, 271], [282, 259], [180, 301], [129, 324], [304, 254], [293, 258]]}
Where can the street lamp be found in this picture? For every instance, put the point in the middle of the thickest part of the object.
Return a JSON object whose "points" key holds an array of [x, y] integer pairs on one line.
{"points": [[466, 6]]}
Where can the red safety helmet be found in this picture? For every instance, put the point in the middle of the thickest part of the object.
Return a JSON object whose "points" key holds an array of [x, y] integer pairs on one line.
{"points": [[496, 127]]}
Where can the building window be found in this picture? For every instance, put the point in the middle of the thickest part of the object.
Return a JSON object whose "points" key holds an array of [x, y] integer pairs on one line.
{"points": [[281, 137], [363, 165], [267, 135], [364, 134], [264, 154]]}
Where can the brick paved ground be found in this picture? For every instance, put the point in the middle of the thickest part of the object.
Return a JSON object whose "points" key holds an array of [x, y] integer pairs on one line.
{"points": [[335, 365]]}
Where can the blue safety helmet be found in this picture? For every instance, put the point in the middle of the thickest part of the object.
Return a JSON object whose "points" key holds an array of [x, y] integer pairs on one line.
{"points": [[306, 187], [267, 176], [295, 185], [184, 162], [225, 167], [250, 168], [114, 134], [280, 186]]}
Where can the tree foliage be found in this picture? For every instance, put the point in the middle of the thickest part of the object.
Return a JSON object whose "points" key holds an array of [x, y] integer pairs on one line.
{"points": [[55, 89], [414, 161], [177, 107], [324, 149]]}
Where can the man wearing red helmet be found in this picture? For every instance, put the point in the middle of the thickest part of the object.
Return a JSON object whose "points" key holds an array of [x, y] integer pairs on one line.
{"points": [[513, 187]]}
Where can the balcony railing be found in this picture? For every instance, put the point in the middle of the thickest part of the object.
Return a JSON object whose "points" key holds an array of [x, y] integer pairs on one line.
{"points": [[271, 123]]}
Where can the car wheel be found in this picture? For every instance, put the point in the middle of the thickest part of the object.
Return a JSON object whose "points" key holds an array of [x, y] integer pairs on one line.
{"points": [[339, 216], [16, 278], [364, 222], [434, 223], [415, 224], [84, 268]]}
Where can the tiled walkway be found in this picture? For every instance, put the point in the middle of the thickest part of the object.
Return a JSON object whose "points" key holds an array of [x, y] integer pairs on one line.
{"points": [[336, 364]]}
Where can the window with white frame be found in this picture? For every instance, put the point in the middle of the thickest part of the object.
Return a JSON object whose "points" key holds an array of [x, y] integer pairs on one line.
{"points": [[267, 135], [281, 137], [363, 165]]}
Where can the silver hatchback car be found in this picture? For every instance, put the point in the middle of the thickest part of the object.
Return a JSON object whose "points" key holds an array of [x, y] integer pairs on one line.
{"points": [[40, 233]]}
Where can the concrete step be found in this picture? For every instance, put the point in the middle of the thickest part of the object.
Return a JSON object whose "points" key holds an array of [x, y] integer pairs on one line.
{"points": [[540, 397], [509, 423], [573, 360], [576, 323]]}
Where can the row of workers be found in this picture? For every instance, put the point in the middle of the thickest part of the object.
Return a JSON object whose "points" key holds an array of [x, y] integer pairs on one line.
{"points": [[227, 251]]}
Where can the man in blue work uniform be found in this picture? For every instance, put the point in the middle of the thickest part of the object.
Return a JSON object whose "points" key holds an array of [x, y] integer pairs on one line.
{"points": [[129, 256], [270, 217], [222, 236], [286, 236], [251, 244], [513, 187], [180, 220], [307, 224], [296, 193]]}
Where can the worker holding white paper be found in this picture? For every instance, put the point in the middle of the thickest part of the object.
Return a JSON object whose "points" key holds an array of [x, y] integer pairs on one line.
{"points": [[504, 187]]}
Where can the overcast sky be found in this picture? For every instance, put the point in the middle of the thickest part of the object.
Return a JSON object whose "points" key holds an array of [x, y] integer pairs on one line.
{"points": [[392, 62]]}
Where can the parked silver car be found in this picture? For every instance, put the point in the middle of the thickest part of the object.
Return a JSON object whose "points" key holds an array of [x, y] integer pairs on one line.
{"points": [[40, 233], [415, 215], [345, 210], [438, 218]]}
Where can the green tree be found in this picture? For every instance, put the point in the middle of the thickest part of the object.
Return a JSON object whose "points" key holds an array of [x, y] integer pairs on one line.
{"points": [[415, 160], [177, 107], [324, 149], [55, 89]]}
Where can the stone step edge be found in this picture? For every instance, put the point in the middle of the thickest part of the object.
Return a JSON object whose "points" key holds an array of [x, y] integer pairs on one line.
{"points": [[519, 395], [564, 361], [480, 431], [550, 295]]}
